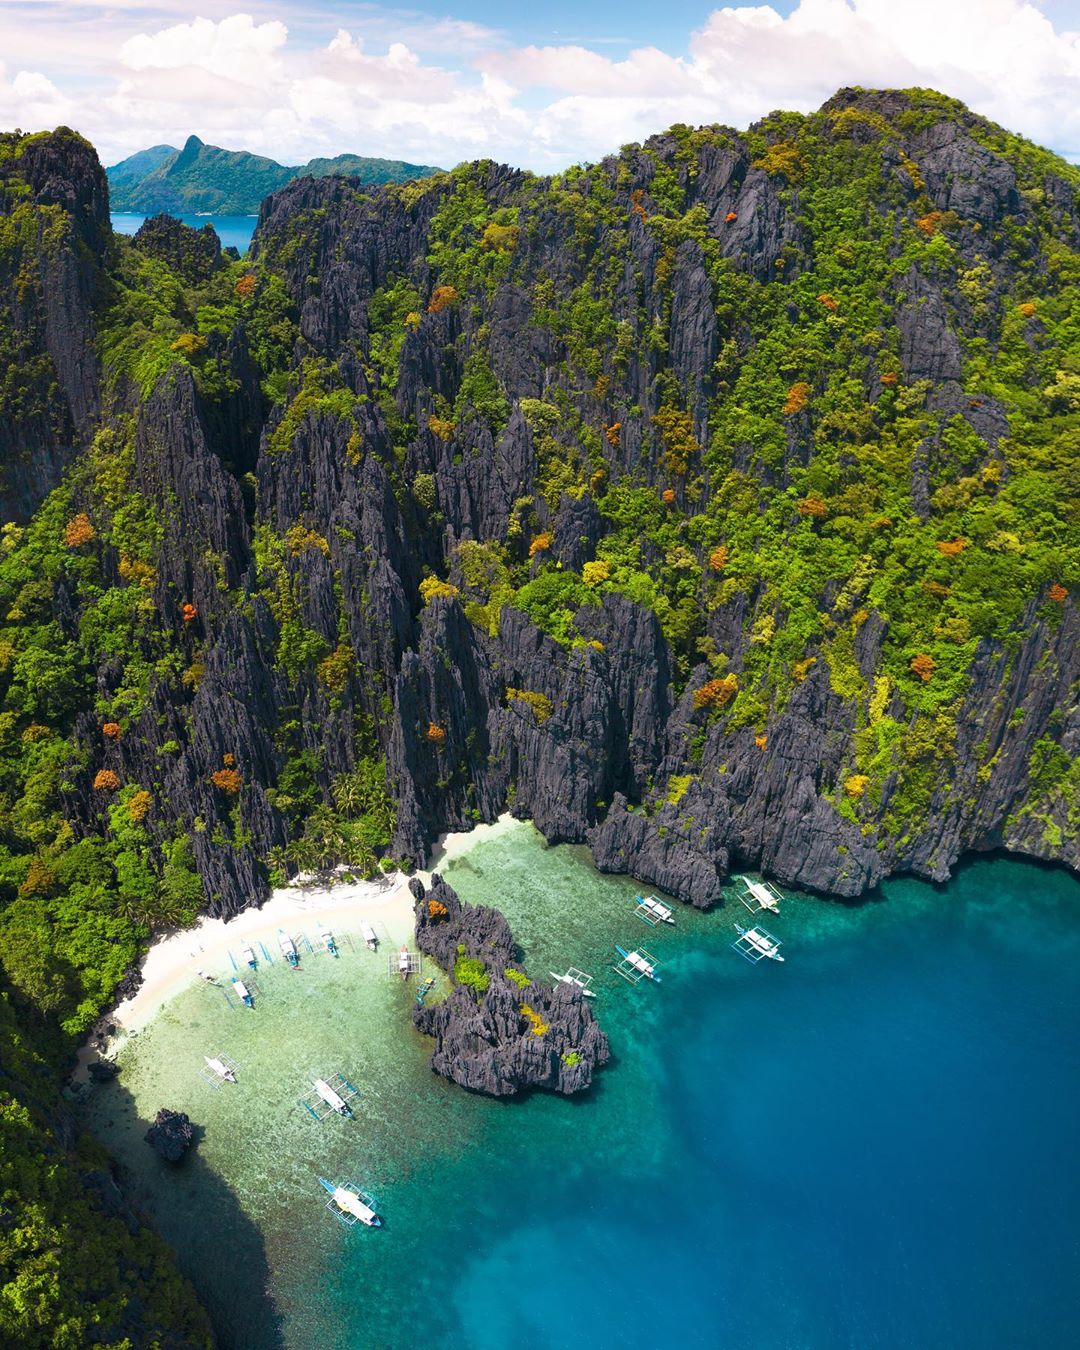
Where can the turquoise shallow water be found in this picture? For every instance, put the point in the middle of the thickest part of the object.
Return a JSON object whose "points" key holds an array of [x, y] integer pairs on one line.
{"points": [[869, 1146], [233, 231]]}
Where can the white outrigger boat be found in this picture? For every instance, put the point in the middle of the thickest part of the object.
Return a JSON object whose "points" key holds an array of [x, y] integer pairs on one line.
{"points": [[757, 895], [330, 1097], [243, 993], [288, 948], [577, 979], [756, 944], [653, 911], [247, 955], [219, 1069], [327, 939], [637, 966], [350, 1204], [370, 937]]}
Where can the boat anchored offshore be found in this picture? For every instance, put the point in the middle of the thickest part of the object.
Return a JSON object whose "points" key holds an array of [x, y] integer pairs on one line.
{"points": [[653, 911], [349, 1204], [757, 895], [219, 1069], [637, 966], [756, 944], [288, 948], [243, 993], [330, 1096], [327, 939], [577, 979], [370, 937]]}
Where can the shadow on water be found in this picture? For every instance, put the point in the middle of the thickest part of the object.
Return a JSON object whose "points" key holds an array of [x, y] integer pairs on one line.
{"points": [[217, 1246]]}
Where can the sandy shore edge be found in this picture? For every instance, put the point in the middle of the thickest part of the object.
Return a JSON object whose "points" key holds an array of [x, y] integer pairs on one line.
{"points": [[172, 963]]}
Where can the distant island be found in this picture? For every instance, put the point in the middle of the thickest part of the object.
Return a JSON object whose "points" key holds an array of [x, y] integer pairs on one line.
{"points": [[205, 178]]}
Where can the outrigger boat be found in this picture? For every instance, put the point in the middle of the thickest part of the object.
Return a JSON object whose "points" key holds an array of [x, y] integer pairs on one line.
{"points": [[243, 993], [370, 937], [425, 989], [637, 966], [330, 1097], [288, 948], [246, 954], [327, 939], [577, 979], [756, 944], [350, 1204], [404, 963], [757, 895], [220, 1069], [653, 911]]}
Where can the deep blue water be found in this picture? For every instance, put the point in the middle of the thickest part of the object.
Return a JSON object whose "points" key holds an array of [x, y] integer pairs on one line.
{"points": [[872, 1145], [234, 231]]}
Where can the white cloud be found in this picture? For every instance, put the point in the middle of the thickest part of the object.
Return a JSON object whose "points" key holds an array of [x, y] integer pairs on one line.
{"points": [[236, 48], [397, 85]]}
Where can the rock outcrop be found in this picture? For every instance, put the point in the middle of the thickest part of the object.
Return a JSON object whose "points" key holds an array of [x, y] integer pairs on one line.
{"points": [[510, 1035], [171, 1134]]}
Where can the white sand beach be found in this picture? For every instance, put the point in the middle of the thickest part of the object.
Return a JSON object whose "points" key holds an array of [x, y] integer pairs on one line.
{"points": [[172, 963]]}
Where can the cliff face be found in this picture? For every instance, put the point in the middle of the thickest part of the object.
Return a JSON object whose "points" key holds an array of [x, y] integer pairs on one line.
{"points": [[714, 505], [53, 250]]}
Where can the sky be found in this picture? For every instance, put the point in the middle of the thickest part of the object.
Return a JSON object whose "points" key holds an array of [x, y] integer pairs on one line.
{"points": [[541, 85]]}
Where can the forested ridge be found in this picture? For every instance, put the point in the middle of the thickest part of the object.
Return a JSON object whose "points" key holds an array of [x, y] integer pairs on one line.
{"points": [[715, 504], [201, 178]]}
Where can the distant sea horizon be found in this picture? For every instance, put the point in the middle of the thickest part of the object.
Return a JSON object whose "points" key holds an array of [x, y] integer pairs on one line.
{"points": [[233, 231]]}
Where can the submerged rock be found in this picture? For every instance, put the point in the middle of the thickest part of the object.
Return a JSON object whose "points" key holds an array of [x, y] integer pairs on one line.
{"points": [[171, 1134], [499, 1035]]}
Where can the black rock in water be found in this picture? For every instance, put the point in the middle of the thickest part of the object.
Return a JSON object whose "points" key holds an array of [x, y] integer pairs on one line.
{"points": [[171, 1134], [514, 1036], [103, 1071]]}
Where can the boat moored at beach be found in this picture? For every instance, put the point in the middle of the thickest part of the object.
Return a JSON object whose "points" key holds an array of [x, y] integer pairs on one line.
{"points": [[247, 955], [243, 993], [327, 939], [288, 948], [370, 937], [350, 1204]]}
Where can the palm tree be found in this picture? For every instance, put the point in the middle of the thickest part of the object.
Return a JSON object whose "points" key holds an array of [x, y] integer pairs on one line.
{"points": [[302, 853], [278, 860], [348, 793]]}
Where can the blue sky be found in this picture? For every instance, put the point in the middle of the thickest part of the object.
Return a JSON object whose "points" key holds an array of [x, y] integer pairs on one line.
{"points": [[541, 85]]}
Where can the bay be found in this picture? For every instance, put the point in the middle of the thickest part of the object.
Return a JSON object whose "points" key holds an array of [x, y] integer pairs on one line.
{"points": [[233, 231], [869, 1145]]}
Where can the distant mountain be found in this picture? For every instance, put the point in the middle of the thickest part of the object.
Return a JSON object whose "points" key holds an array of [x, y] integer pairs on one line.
{"points": [[204, 177]]}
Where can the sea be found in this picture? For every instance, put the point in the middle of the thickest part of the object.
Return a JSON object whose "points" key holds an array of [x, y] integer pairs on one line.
{"points": [[872, 1144], [233, 231]]}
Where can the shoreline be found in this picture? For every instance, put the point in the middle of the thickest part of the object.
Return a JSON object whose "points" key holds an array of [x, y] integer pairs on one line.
{"points": [[171, 963]]}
